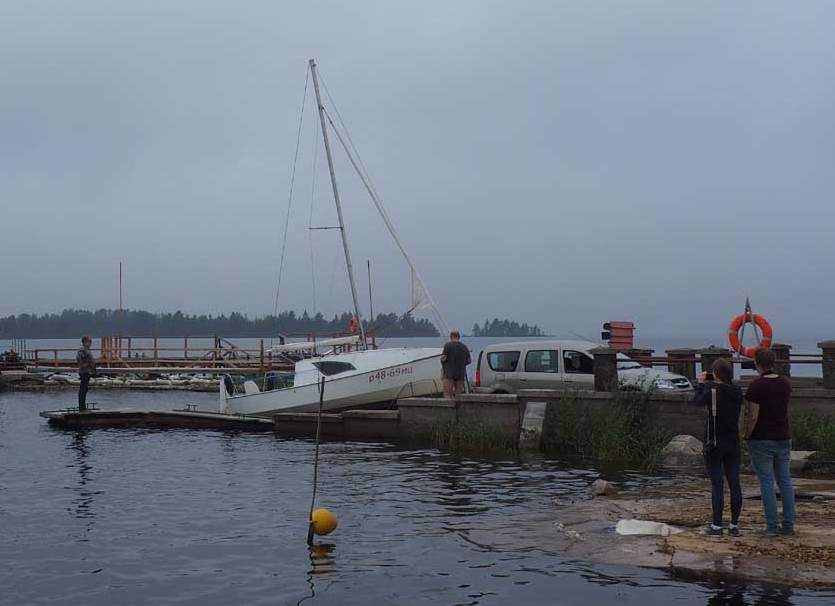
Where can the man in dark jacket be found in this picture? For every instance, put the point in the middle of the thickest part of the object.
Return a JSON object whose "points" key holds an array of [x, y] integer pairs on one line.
{"points": [[86, 368], [454, 361]]}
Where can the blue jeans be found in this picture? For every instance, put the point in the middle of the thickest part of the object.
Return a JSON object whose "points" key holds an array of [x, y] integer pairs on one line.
{"points": [[770, 460]]}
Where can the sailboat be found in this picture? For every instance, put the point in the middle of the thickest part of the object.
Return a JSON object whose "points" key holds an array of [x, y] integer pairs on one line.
{"points": [[362, 376]]}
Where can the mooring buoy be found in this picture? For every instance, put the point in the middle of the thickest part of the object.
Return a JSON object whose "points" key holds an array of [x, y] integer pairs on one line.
{"points": [[323, 521]]}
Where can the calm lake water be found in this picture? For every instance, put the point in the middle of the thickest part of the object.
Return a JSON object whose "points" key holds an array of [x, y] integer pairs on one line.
{"points": [[204, 517]]}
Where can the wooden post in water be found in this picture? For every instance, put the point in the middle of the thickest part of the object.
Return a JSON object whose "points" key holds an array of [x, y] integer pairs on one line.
{"points": [[185, 347], [156, 352], [262, 354]]}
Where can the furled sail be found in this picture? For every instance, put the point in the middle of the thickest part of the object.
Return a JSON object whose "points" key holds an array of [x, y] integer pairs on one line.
{"points": [[420, 298]]}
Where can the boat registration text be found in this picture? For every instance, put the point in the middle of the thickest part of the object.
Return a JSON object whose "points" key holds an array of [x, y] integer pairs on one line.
{"points": [[387, 373]]}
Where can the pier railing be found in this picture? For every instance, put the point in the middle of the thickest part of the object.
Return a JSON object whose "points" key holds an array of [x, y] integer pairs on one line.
{"points": [[179, 352], [690, 362]]}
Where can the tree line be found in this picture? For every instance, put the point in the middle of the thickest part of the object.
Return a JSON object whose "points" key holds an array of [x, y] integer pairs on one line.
{"points": [[72, 323], [505, 328]]}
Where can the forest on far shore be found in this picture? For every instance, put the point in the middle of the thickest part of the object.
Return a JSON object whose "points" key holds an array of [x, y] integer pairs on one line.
{"points": [[72, 323]]}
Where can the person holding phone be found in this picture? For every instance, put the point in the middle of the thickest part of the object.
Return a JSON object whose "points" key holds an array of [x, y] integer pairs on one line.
{"points": [[722, 452]]}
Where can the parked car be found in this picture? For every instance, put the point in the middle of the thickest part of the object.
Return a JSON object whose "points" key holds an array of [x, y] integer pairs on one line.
{"points": [[551, 364]]}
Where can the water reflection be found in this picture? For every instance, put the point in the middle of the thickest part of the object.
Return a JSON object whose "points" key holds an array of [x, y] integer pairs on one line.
{"points": [[766, 595], [322, 561], [84, 501]]}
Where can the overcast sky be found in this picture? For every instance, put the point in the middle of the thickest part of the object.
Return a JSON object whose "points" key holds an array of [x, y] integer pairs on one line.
{"points": [[561, 163]]}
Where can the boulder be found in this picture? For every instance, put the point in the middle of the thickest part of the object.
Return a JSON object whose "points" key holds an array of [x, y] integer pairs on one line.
{"points": [[602, 488], [683, 451]]}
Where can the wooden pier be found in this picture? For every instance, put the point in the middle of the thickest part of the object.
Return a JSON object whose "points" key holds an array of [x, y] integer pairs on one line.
{"points": [[182, 354], [191, 418]]}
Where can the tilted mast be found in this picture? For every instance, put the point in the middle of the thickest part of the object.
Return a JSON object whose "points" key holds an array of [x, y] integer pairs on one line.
{"points": [[338, 205]]}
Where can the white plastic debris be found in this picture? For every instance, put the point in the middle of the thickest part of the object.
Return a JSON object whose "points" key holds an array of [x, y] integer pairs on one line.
{"points": [[645, 527]]}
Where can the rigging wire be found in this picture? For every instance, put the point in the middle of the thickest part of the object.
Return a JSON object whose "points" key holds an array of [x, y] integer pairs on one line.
{"points": [[348, 135], [290, 202], [375, 198], [364, 175]]}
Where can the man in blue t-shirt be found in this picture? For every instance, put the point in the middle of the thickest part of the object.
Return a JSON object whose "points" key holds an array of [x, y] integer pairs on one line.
{"points": [[454, 361], [769, 440]]}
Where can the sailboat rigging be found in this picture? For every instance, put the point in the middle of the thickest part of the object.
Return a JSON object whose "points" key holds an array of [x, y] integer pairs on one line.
{"points": [[356, 378]]}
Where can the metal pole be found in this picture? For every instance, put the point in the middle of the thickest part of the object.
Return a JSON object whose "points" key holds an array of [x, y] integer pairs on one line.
{"points": [[336, 200], [370, 299]]}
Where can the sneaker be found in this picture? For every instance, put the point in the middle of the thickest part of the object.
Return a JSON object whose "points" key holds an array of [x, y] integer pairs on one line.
{"points": [[733, 530], [787, 532], [714, 531], [770, 533]]}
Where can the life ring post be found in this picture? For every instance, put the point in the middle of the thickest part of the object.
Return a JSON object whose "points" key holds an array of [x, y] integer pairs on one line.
{"points": [[739, 322]]}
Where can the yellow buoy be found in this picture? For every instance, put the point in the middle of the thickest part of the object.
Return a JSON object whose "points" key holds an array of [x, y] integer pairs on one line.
{"points": [[323, 521]]}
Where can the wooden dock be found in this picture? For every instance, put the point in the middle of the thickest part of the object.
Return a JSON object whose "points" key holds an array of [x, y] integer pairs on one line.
{"points": [[71, 418], [416, 420]]}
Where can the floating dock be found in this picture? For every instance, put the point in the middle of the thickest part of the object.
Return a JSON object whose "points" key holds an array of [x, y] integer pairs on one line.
{"points": [[72, 418], [473, 417]]}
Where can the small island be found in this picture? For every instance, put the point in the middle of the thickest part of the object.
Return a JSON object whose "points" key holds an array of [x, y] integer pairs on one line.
{"points": [[506, 328]]}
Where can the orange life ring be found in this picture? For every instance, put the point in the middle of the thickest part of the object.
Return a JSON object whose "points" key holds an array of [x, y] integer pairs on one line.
{"points": [[354, 325], [738, 322]]}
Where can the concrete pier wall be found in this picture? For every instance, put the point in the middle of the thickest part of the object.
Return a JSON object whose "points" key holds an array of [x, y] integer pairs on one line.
{"points": [[675, 412]]}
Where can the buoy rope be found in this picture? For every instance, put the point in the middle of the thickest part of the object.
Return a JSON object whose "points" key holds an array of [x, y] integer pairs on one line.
{"points": [[316, 462]]}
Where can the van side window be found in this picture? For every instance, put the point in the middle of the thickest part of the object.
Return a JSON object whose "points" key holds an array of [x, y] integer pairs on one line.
{"points": [[503, 361], [577, 362], [544, 360]]}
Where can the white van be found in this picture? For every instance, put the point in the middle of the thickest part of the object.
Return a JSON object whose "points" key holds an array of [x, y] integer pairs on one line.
{"points": [[554, 364]]}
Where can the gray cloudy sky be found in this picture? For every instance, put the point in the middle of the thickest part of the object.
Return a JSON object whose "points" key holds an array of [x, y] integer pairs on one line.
{"points": [[561, 163]]}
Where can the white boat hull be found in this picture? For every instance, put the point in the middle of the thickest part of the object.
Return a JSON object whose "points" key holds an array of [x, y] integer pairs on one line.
{"points": [[418, 374]]}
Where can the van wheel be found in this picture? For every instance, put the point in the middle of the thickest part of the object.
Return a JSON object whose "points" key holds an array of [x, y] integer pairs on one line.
{"points": [[500, 391]]}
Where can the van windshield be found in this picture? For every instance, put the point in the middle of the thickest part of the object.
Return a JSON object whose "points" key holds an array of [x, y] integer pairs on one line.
{"points": [[626, 363]]}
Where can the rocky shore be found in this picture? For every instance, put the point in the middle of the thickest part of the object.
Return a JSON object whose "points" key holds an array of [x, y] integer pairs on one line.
{"points": [[585, 529]]}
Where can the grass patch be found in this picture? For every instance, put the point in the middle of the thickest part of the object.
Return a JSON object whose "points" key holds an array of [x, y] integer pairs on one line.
{"points": [[812, 431], [471, 436], [623, 429]]}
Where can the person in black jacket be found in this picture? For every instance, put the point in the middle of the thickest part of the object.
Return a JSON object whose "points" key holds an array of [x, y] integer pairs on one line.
{"points": [[721, 445]]}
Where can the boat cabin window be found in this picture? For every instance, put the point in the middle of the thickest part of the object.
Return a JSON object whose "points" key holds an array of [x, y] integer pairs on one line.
{"points": [[503, 361], [329, 367]]}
